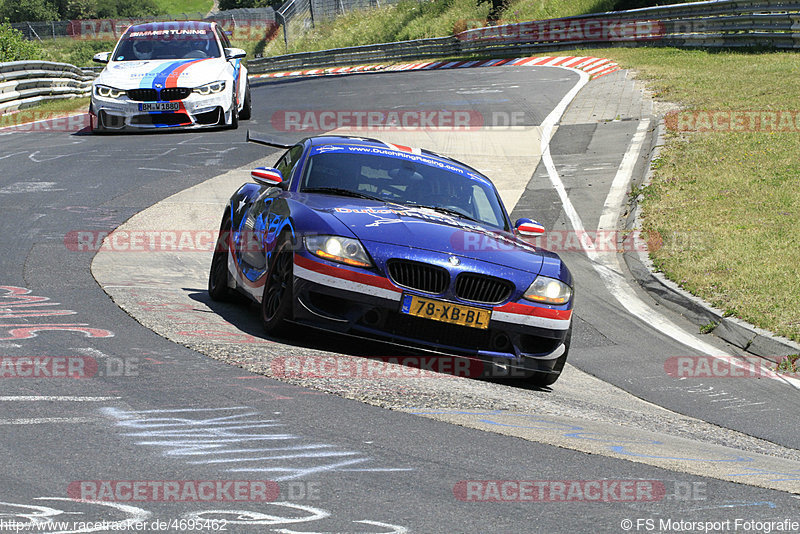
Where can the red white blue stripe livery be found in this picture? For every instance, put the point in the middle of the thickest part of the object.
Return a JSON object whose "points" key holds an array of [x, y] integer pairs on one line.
{"points": [[170, 75]]}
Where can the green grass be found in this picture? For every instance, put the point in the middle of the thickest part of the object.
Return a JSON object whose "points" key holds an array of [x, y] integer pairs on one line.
{"points": [[75, 51], [190, 7], [789, 365], [726, 204], [412, 19], [523, 10], [408, 19], [708, 328]]}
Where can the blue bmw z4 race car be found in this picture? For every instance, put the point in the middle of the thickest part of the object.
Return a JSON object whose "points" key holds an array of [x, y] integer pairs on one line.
{"points": [[376, 240]]}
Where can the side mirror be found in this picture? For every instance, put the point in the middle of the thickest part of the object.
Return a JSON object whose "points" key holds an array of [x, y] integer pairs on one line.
{"points": [[234, 53], [268, 176], [101, 57], [528, 228]]}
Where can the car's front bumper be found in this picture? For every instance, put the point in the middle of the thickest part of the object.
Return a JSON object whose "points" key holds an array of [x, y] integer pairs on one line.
{"points": [[519, 336], [195, 111]]}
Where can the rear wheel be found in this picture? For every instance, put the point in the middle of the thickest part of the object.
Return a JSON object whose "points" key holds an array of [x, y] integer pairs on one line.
{"points": [[541, 379], [218, 275], [276, 302]]}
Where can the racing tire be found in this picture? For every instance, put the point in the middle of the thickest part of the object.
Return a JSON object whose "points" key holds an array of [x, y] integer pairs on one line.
{"points": [[218, 288], [540, 379], [234, 124], [95, 126], [276, 302], [247, 107]]}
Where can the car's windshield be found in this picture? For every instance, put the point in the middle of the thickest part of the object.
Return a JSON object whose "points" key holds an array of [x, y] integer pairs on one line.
{"points": [[410, 180], [172, 43]]}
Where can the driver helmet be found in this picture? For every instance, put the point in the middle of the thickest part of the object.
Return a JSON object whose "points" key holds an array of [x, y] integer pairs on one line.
{"points": [[143, 49]]}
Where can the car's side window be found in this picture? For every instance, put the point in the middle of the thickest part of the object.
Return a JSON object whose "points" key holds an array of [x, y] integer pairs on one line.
{"points": [[288, 162]]}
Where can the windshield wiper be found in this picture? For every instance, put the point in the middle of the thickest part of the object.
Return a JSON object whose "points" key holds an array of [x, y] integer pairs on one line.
{"points": [[342, 192], [446, 211]]}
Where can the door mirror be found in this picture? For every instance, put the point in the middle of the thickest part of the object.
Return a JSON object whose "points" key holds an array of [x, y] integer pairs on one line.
{"points": [[234, 53], [269, 176], [528, 228], [101, 57]]}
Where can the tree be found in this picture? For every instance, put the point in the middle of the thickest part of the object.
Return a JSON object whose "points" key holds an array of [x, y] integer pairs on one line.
{"points": [[29, 10], [14, 46]]}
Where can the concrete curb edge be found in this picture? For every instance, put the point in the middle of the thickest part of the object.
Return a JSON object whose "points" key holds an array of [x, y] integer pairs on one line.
{"points": [[737, 332]]}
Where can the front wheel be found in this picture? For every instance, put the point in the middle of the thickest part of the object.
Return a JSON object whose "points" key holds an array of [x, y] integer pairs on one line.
{"points": [[94, 122], [234, 124], [276, 302], [540, 379], [218, 275]]}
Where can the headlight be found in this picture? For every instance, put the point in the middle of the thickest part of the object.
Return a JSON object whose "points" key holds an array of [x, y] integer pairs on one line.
{"points": [[341, 249], [207, 89], [107, 92], [549, 291]]}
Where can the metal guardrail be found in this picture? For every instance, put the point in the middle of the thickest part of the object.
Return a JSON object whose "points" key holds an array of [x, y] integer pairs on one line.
{"points": [[417, 49], [773, 24], [25, 83]]}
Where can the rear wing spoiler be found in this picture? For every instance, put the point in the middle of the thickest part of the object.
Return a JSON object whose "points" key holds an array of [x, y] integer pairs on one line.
{"points": [[263, 139]]}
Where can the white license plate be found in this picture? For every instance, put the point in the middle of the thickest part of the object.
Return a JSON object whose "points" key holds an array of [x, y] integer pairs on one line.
{"points": [[160, 106]]}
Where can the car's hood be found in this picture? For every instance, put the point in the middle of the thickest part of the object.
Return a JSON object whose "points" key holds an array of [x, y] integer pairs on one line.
{"points": [[168, 73], [426, 229]]}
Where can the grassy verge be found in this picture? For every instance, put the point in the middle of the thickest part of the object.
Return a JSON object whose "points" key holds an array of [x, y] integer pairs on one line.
{"points": [[177, 7], [74, 51], [412, 19], [523, 10], [726, 203]]}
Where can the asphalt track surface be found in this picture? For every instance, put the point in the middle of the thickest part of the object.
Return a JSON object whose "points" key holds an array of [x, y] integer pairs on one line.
{"points": [[341, 465]]}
